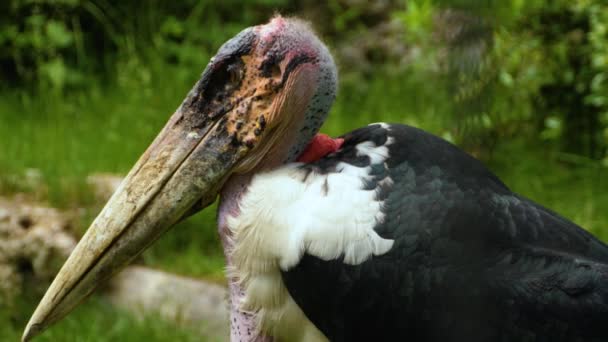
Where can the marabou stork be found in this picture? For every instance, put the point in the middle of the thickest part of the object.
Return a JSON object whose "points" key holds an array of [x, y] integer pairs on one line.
{"points": [[387, 233]]}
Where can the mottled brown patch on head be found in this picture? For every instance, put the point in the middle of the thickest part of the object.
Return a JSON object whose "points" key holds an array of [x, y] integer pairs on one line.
{"points": [[254, 98], [260, 109]]}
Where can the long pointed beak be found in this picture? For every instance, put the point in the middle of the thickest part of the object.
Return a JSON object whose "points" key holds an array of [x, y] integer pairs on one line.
{"points": [[182, 169]]}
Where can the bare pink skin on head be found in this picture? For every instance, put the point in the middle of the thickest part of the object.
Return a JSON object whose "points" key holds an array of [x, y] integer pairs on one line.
{"points": [[270, 37], [269, 31]]}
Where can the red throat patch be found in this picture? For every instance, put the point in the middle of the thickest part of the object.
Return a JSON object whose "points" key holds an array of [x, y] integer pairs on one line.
{"points": [[320, 146]]}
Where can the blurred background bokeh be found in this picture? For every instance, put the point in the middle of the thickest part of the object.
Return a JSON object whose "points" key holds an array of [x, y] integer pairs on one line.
{"points": [[86, 85]]}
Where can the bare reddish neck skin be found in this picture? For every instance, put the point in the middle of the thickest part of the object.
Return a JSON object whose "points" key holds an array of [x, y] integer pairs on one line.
{"points": [[320, 146]]}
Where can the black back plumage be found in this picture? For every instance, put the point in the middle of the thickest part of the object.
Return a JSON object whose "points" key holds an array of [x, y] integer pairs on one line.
{"points": [[472, 261]]}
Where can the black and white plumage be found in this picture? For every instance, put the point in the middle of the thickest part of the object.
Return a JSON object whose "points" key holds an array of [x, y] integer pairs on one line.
{"points": [[471, 260], [394, 234]]}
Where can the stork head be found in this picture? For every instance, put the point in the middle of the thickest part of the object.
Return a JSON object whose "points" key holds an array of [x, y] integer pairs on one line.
{"points": [[259, 101]]}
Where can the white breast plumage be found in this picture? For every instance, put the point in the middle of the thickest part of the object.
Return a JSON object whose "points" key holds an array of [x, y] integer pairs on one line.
{"points": [[291, 211]]}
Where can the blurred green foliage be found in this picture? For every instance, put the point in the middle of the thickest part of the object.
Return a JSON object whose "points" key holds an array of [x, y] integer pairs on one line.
{"points": [[535, 67], [53, 44], [87, 84]]}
